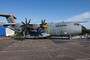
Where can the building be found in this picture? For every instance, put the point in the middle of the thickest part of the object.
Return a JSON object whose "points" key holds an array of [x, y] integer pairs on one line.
{"points": [[2, 31], [6, 31]]}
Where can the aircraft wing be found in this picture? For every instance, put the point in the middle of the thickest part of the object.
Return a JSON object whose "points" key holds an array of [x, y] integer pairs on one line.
{"points": [[79, 21], [82, 21], [7, 24]]}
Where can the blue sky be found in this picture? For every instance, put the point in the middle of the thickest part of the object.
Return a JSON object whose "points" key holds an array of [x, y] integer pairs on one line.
{"points": [[51, 10]]}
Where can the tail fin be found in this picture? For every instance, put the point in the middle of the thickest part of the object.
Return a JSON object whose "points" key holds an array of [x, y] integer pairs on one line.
{"points": [[10, 18]]}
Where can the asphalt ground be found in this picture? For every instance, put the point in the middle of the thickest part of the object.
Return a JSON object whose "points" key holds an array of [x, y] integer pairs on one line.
{"points": [[44, 49]]}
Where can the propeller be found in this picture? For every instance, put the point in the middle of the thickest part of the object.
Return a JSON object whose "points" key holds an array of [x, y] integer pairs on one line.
{"points": [[42, 25], [26, 27]]}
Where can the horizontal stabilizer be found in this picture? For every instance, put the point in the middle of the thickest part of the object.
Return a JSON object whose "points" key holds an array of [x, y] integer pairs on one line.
{"points": [[10, 18], [4, 15]]}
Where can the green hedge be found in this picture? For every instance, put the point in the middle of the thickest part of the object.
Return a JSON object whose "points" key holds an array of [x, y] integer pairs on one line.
{"points": [[88, 31]]}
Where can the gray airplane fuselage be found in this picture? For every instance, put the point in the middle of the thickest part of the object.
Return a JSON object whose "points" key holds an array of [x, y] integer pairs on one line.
{"points": [[58, 29]]}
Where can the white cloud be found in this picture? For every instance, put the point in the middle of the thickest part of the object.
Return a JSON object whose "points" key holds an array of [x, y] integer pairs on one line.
{"points": [[82, 17]]}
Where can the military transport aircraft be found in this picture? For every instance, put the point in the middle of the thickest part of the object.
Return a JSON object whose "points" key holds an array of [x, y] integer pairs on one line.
{"points": [[36, 30]]}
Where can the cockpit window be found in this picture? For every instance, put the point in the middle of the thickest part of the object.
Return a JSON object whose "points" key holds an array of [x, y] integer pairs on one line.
{"points": [[76, 24]]}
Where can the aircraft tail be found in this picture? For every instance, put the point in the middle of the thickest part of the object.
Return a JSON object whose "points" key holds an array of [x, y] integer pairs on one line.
{"points": [[10, 18]]}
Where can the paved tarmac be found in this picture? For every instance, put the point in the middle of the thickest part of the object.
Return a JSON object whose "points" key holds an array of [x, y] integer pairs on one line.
{"points": [[44, 49]]}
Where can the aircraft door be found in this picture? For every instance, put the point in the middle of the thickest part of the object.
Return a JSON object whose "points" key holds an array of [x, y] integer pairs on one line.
{"points": [[57, 32]]}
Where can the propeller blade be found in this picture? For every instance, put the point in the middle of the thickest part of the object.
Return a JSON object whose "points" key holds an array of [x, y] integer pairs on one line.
{"points": [[25, 31], [26, 20], [29, 21], [23, 23], [44, 20], [45, 23]]}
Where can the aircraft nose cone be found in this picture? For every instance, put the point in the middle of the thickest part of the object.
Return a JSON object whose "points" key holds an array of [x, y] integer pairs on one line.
{"points": [[83, 29]]}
